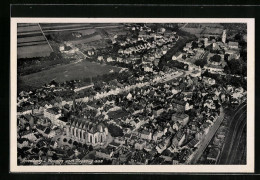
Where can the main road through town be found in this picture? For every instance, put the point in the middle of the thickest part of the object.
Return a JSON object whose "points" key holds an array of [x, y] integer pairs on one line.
{"points": [[201, 148], [230, 149]]}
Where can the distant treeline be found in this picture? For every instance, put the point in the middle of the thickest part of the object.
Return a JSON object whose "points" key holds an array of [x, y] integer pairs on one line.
{"points": [[33, 65]]}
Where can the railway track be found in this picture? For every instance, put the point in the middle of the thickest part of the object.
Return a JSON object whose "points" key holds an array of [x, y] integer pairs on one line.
{"points": [[237, 123]]}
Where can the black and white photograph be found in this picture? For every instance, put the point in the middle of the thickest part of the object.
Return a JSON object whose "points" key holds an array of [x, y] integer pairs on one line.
{"points": [[142, 95]]}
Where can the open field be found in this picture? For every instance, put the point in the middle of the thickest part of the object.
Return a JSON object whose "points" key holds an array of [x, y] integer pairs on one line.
{"points": [[90, 38], [67, 72], [39, 49], [31, 42]]}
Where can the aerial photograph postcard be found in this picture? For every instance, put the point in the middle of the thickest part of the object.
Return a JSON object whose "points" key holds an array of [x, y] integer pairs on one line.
{"points": [[132, 95]]}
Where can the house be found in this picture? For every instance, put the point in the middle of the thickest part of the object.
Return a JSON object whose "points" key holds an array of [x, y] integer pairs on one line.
{"points": [[123, 157], [137, 123], [178, 139], [45, 131], [53, 114], [148, 67], [193, 143], [210, 104], [31, 136], [129, 96], [178, 55], [205, 127], [156, 61], [90, 53], [215, 46], [233, 45], [127, 136], [115, 144], [233, 54], [195, 73], [209, 81], [163, 144], [144, 134], [133, 139], [110, 59], [140, 144], [167, 155], [119, 59], [181, 118], [157, 111], [26, 118], [188, 45], [54, 144], [161, 147], [62, 48], [178, 105], [106, 153], [175, 161], [199, 135], [61, 122], [100, 58], [213, 68], [22, 142], [157, 135]]}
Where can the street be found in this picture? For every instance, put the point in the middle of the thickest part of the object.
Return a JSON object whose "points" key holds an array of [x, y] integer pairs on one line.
{"points": [[197, 154]]}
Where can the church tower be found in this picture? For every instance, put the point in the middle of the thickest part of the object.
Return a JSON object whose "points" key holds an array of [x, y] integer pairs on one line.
{"points": [[224, 36]]}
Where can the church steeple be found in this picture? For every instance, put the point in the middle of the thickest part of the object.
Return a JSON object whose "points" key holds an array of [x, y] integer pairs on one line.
{"points": [[224, 36]]}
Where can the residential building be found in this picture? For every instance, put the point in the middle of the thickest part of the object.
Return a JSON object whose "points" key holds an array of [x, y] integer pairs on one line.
{"points": [[53, 114], [144, 134], [178, 105], [181, 118], [178, 55], [233, 45], [140, 145], [106, 153], [157, 135]]}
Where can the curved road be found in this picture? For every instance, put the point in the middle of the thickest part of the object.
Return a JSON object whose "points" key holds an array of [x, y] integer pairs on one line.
{"points": [[233, 138]]}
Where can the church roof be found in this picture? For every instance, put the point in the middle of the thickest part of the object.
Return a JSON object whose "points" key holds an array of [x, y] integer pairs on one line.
{"points": [[87, 125]]}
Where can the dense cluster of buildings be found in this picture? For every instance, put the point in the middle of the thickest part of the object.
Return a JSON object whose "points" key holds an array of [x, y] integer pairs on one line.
{"points": [[160, 117]]}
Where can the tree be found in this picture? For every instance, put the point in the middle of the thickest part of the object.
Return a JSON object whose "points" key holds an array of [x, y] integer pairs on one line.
{"points": [[238, 37], [75, 143], [98, 86], [55, 157], [227, 70], [243, 55], [216, 58], [194, 44], [115, 131], [138, 61], [80, 145], [235, 66], [201, 62], [226, 57], [85, 146], [90, 148]]}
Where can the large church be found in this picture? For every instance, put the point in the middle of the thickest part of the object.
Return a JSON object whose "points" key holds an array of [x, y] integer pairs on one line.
{"points": [[87, 132]]}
